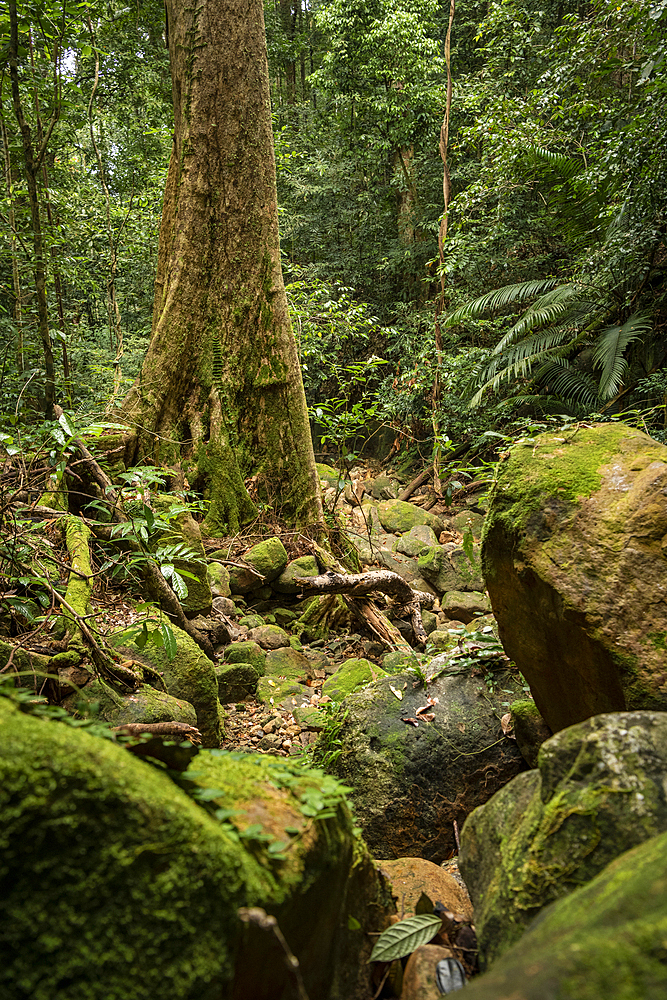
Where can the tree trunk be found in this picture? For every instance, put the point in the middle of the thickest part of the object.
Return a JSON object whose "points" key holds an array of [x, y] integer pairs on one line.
{"points": [[220, 391]]}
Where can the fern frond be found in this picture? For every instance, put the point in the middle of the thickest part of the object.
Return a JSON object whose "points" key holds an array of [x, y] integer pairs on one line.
{"points": [[609, 352], [566, 166], [500, 298]]}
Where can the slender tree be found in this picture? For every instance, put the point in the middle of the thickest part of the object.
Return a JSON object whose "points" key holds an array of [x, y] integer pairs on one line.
{"points": [[220, 392]]}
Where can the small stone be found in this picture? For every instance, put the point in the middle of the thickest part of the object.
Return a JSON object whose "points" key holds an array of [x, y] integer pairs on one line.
{"points": [[269, 636]]}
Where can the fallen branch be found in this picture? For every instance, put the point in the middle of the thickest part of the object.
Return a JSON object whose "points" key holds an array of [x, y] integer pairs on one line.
{"points": [[416, 483], [160, 729], [362, 584]]}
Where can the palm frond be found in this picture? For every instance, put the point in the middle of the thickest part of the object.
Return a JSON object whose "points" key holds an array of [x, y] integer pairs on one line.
{"points": [[519, 368], [566, 382], [609, 352], [546, 308], [560, 163], [500, 298]]}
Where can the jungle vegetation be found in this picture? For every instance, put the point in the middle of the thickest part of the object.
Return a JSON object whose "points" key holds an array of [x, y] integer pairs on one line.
{"points": [[549, 289]]}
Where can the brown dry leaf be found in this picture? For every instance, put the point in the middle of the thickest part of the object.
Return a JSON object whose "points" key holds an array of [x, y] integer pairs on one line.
{"points": [[411, 721], [461, 727], [429, 716], [506, 725]]}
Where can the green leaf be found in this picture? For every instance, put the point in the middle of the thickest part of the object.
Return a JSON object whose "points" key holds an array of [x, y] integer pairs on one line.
{"points": [[179, 585], [170, 646], [353, 924], [404, 937]]}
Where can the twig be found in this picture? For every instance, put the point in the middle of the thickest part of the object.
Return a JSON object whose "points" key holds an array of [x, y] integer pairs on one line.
{"points": [[260, 918]]}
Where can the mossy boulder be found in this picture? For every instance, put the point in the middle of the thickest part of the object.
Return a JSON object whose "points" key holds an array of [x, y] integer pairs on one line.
{"points": [[469, 519], [115, 883], [236, 681], [606, 939], [269, 558], [328, 474], [303, 566], [189, 676], [599, 791], [450, 569], [411, 782], [350, 676], [146, 704], [418, 540], [218, 579], [573, 554], [465, 606], [398, 517], [269, 636], [246, 651]]}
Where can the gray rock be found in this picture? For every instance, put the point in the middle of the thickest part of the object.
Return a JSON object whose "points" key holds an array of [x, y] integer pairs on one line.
{"points": [[465, 606], [269, 636], [218, 579]]}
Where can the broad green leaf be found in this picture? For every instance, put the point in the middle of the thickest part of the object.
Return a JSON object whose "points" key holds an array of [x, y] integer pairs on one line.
{"points": [[179, 585], [404, 937], [170, 647]]}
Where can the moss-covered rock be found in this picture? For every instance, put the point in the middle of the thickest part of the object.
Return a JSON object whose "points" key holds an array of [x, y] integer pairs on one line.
{"points": [[465, 606], [269, 558], [599, 790], [441, 640], [328, 474], [399, 517], [114, 882], [530, 729], [218, 579], [606, 939], [450, 569], [573, 558], [303, 566], [418, 540], [469, 519], [188, 677], [351, 676], [146, 704], [411, 782], [284, 668], [236, 681], [246, 651]]}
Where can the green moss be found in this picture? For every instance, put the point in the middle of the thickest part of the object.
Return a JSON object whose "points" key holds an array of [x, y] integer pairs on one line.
{"points": [[246, 652], [551, 468], [351, 676], [111, 879], [658, 639]]}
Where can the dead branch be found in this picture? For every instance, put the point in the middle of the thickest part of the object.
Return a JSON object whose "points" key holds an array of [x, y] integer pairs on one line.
{"points": [[181, 729], [362, 584], [416, 483]]}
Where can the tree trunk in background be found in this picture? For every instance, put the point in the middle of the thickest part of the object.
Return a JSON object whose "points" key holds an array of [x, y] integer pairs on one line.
{"points": [[220, 391]]}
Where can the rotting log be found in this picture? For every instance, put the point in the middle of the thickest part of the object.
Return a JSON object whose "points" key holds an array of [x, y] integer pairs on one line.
{"points": [[361, 584]]}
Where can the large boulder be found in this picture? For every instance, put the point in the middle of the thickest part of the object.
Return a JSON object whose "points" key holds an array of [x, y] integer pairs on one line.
{"points": [[411, 782], [188, 676], [114, 882], [606, 939], [599, 790], [573, 555], [145, 705]]}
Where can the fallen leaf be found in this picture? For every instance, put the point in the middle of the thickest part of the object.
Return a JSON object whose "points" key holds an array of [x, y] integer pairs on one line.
{"points": [[461, 727], [411, 721], [395, 691], [506, 725], [429, 717], [424, 708]]}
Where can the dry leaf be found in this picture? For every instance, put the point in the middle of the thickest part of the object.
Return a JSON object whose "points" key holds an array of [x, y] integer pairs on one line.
{"points": [[429, 716], [411, 721], [506, 725], [461, 727], [399, 694]]}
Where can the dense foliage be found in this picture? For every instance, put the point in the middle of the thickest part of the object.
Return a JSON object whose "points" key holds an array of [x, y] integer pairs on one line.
{"points": [[553, 270]]}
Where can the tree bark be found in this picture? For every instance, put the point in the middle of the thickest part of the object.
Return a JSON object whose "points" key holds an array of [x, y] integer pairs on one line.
{"points": [[220, 391]]}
